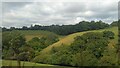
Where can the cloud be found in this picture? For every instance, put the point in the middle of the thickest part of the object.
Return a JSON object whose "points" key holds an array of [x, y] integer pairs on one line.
{"points": [[46, 13], [59, 1]]}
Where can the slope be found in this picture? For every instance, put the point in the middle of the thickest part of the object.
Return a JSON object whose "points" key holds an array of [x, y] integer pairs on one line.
{"points": [[70, 38], [29, 34]]}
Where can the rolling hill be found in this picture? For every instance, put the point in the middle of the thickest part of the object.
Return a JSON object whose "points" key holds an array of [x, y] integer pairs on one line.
{"points": [[29, 34], [67, 40]]}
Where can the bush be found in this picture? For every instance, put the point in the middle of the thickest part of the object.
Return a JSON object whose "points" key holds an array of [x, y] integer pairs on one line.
{"points": [[40, 43], [108, 34]]}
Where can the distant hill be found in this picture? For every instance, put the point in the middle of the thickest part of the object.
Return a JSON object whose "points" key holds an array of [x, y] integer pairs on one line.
{"points": [[65, 29]]}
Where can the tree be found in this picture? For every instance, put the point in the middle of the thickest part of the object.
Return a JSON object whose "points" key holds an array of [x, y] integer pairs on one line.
{"points": [[110, 57], [12, 28], [24, 27], [14, 42], [40, 43], [108, 34], [114, 23], [36, 44], [27, 53], [84, 58]]}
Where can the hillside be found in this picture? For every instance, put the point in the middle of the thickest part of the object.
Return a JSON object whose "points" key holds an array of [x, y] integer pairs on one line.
{"points": [[66, 48], [29, 34], [70, 38]]}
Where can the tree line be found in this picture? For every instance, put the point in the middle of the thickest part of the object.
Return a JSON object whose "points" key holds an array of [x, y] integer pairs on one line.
{"points": [[67, 29]]}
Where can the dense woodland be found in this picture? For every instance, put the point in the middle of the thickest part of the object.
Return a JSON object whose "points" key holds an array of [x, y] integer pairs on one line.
{"points": [[14, 44], [67, 29], [90, 49]]}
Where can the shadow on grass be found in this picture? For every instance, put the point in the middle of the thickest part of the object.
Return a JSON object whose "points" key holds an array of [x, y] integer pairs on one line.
{"points": [[60, 67]]}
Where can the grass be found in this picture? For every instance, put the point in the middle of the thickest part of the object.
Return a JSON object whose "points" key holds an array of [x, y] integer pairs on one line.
{"points": [[13, 63], [70, 38]]}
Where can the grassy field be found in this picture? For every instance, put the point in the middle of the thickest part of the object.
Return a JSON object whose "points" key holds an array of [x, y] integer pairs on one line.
{"points": [[13, 63], [70, 38]]}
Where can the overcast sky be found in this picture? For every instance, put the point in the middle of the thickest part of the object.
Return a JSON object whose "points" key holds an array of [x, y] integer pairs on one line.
{"points": [[19, 13]]}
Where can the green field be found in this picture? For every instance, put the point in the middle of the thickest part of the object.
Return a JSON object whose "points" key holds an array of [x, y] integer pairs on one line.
{"points": [[30, 64], [70, 38], [14, 63]]}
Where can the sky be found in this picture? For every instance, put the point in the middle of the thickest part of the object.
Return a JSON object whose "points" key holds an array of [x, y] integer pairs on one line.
{"points": [[18, 13]]}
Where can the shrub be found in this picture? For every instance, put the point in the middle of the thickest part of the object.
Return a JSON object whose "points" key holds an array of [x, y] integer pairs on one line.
{"points": [[108, 34]]}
